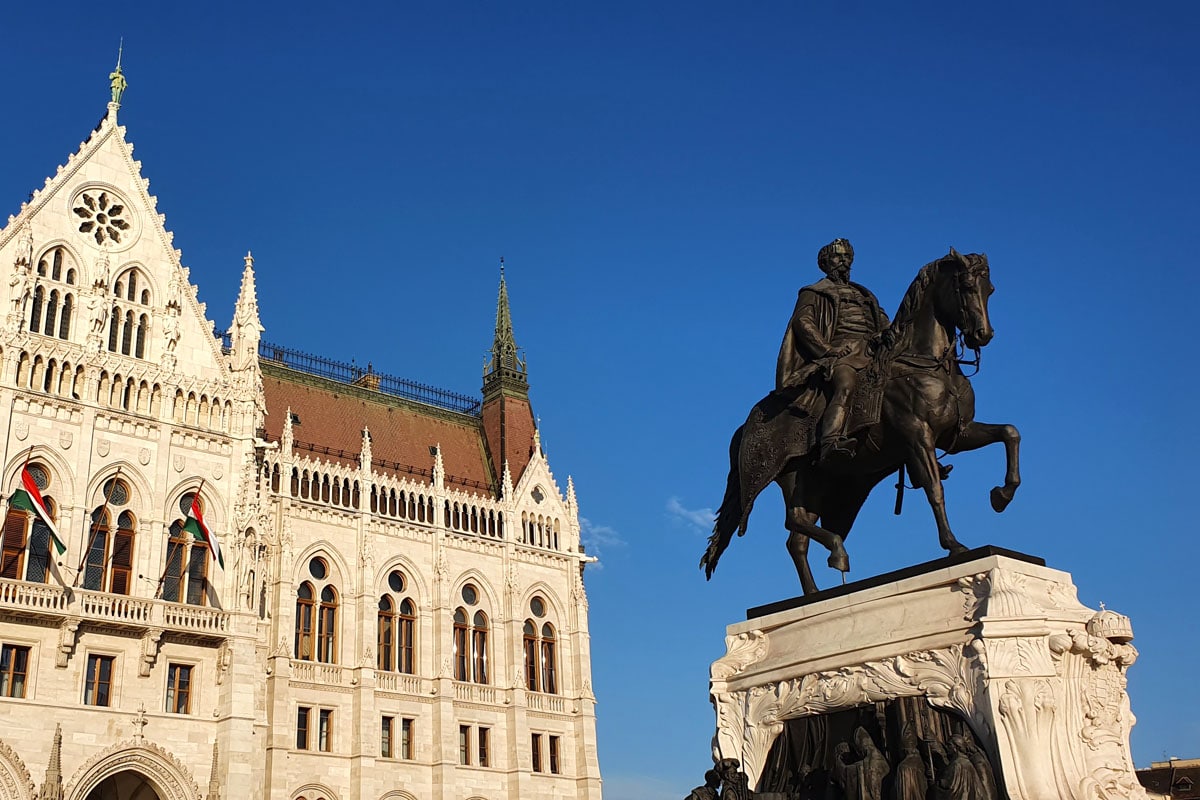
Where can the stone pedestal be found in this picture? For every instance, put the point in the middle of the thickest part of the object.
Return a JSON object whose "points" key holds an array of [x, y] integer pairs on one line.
{"points": [[993, 636]]}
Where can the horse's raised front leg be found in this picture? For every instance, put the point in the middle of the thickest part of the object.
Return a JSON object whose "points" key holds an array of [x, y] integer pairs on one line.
{"points": [[802, 526], [926, 474], [980, 434]]}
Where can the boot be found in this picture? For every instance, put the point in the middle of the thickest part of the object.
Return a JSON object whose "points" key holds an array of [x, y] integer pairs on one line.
{"points": [[837, 450]]}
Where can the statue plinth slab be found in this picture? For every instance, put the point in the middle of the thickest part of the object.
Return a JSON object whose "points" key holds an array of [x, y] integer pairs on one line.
{"points": [[995, 637]]}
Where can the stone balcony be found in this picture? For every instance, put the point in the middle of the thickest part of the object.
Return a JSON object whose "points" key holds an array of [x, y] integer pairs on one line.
{"points": [[44, 601]]}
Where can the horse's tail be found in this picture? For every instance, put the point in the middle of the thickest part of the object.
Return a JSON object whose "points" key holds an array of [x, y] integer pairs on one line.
{"points": [[730, 516]]}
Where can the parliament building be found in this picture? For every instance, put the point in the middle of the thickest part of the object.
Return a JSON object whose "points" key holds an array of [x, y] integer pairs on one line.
{"points": [[390, 604]]}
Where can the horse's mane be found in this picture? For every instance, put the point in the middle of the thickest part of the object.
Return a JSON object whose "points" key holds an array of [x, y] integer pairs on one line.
{"points": [[913, 299]]}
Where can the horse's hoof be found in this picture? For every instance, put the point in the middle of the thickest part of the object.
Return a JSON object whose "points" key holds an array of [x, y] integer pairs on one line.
{"points": [[1000, 498], [840, 561], [956, 548]]}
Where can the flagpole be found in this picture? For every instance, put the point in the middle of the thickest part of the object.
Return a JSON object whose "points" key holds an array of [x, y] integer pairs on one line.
{"points": [[28, 454], [170, 553], [95, 527]]}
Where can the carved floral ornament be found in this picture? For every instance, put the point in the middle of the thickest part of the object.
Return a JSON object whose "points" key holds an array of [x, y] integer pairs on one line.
{"points": [[1050, 708], [948, 678]]}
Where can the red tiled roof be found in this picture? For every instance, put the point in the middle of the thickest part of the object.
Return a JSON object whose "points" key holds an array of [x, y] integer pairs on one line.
{"points": [[332, 416], [518, 434]]}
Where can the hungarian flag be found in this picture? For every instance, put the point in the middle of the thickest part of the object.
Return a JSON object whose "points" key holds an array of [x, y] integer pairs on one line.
{"points": [[196, 527], [29, 498]]}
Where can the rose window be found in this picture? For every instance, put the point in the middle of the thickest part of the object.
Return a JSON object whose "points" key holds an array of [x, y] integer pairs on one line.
{"points": [[102, 216]]}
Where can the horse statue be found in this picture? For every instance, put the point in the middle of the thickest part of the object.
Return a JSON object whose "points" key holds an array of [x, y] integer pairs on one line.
{"points": [[923, 402]]}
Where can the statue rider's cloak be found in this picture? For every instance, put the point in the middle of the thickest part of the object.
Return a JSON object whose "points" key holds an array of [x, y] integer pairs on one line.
{"points": [[812, 329]]}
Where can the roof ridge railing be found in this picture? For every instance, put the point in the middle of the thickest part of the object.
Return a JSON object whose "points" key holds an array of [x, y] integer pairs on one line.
{"points": [[367, 378]]}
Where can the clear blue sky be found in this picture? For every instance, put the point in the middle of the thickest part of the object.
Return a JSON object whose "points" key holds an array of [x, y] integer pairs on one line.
{"points": [[659, 177]]}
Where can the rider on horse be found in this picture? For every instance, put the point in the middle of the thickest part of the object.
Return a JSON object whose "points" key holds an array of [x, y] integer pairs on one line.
{"points": [[833, 330]]}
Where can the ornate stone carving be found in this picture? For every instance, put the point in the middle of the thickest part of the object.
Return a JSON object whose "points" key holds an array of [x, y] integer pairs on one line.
{"points": [[224, 660], [171, 776], [14, 776], [741, 651], [103, 447], [150, 641], [139, 723], [947, 678], [66, 641], [1040, 684]]}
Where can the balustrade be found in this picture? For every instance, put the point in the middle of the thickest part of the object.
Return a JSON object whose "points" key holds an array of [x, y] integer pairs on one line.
{"points": [[37, 599]]}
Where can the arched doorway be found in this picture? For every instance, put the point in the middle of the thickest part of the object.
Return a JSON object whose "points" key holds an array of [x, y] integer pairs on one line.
{"points": [[125, 785]]}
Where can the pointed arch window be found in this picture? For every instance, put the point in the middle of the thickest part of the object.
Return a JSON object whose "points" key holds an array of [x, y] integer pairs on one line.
{"points": [[51, 306], [185, 576], [397, 624], [479, 648], [26, 552], [327, 626], [387, 634], [462, 656], [317, 615], [470, 638], [305, 612], [540, 647]]}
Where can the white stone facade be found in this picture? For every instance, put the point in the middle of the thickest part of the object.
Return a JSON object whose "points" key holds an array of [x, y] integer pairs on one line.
{"points": [[156, 402]]}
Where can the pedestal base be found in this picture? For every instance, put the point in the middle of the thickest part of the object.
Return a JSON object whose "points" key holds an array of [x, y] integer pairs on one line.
{"points": [[998, 639]]}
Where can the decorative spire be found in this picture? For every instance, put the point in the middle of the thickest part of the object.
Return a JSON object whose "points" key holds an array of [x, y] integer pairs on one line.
{"points": [[364, 454], [506, 481], [505, 369], [52, 788], [117, 82], [439, 467], [571, 501], [287, 437], [247, 328], [214, 783]]}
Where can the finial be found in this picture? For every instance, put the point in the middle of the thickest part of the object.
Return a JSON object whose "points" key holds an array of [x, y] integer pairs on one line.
{"points": [[116, 78], [501, 267], [249, 259]]}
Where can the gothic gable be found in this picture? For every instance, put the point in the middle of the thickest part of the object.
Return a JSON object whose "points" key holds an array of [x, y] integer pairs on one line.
{"points": [[93, 233]]}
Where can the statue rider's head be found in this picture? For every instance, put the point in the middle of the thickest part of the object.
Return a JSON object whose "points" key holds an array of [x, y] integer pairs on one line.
{"points": [[835, 259]]}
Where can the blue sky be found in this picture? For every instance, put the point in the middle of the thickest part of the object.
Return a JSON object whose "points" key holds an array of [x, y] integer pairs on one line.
{"points": [[659, 177]]}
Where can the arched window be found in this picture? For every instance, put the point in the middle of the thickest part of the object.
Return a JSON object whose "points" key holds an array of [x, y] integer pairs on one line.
{"points": [[121, 564], [397, 623], [64, 323], [387, 635], [530, 646], [327, 626], [26, 551], [108, 564], [185, 577], [540, 650], [462, 656], [96, 555], [35, 315], [470, 638], [479, 648], [549, 662], [304, 622], [406, 637], [316, 615]]}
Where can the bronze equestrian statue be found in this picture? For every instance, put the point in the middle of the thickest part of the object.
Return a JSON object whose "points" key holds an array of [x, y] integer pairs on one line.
{"points": [[857, 399]]}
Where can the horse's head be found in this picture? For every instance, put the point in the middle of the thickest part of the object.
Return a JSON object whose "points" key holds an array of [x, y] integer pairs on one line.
{"points": [[972, 286]]}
